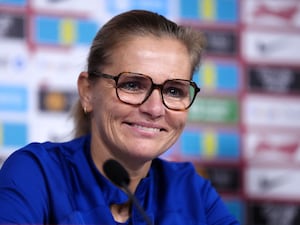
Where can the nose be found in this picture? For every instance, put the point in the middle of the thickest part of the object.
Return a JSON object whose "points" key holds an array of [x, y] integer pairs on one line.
{"points": [[153, 105]]}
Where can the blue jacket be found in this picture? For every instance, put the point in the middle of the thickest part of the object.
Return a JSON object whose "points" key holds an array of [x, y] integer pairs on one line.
{"points": [[57, 183]]}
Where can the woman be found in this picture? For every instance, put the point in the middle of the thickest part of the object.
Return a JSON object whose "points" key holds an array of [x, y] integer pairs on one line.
{"points": [[133, 106]]}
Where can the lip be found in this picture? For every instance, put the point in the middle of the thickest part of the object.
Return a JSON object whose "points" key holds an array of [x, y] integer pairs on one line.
{"points": [[147, 127]]}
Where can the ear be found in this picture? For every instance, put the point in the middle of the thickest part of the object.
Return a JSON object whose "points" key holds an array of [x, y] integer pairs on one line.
{"points": [[85, 91]]}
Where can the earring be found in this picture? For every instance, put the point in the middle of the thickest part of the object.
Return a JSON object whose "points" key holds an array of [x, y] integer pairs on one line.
{"points": [[84, 109]]}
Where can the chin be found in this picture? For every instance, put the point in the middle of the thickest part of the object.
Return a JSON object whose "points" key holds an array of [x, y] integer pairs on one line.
{"points": [[144, 154]]}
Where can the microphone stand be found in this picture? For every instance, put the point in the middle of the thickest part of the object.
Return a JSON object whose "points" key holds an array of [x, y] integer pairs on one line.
{"points": [[136, 203], [119, 176]]}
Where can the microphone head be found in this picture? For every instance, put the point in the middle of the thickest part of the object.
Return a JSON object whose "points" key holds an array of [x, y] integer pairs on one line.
{"points": [[116, 173]]}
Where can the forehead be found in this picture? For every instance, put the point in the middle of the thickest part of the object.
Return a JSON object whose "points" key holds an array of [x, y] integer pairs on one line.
{"points": [[159, 57]]}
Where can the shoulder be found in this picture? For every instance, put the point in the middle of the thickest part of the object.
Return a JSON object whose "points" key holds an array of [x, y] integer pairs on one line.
{"points": [[40, 150], [42, 155]]}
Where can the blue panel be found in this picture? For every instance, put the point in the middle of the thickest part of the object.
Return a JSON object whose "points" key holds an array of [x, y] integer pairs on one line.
{"points": [[227, 10], [189, 9], [190, 143], [236, 208], [47, 30], [14, 134], [196, 77], [13, 98], [228, 77], [159, 6], [224, 10], [86, 31], [14, 2], [229, 145]]}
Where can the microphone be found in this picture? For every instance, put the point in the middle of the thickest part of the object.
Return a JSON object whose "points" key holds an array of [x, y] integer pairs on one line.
{"points": [[120, 177]]}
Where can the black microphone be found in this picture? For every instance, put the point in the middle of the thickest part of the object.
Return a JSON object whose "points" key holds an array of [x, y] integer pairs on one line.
{"points": [[119, 176]]}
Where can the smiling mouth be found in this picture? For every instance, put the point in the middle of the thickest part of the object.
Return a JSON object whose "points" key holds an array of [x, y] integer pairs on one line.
{"points": [[149, 129]]}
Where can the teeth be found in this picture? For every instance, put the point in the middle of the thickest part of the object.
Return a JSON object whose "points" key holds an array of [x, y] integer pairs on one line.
{"points": [[147, 128]]}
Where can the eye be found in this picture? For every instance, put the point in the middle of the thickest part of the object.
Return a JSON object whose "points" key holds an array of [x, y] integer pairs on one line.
{"points": [[174, 92], [133, 84], [176, 89], [130, 85]]}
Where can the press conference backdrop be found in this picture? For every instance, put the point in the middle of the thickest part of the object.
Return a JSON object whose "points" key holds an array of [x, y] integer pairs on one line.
{"points": [[244, 128]]}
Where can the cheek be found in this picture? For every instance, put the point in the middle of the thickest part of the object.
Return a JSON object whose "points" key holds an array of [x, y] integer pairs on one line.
{"points": [[100, 103], [178, 120], [104, 116], [103, 98], [107, 109]]}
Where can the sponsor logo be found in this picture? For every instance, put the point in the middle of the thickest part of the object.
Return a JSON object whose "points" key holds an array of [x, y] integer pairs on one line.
{"points": [[13, 62], [274, 79], [272, 183], [218, 76], [56, 65], [67, 6], [283, 148], [224, 179], [270, 111], [12, 26], [56, 100], [271, 13], [271, 47], [210, 144], [63, 31], [270, 213], [266, 183], [289, 149], [215, 110], [221, 42], [207, 10], [263, 10]]}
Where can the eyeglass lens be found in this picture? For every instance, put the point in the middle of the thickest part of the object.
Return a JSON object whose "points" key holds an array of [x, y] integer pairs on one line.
{"points": [[136, 88]]}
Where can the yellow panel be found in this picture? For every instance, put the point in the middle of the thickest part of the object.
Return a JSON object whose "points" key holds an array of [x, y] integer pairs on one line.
{"points": [[210, 144], [209, 75], [67, 32], [208, 9]]}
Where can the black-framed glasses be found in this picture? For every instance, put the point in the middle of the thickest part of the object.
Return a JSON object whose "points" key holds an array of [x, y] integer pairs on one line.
{"points": [[135, 89]]}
